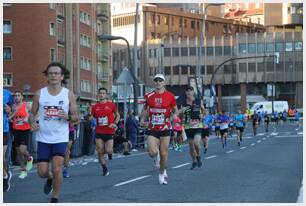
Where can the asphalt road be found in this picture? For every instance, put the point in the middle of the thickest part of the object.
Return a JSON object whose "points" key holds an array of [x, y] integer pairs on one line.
{"points": [[267, 168]]}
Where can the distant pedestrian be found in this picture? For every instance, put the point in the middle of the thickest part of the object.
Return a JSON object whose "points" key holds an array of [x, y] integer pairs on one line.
{"points": [[132, 130]]}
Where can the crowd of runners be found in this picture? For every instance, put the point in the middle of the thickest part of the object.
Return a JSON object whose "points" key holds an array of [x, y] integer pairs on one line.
{"points": [[168, 123]]}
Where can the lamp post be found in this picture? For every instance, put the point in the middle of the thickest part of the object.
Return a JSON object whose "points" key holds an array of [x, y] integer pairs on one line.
{"points": [[135, 83], [202, 40], [26, 89]]}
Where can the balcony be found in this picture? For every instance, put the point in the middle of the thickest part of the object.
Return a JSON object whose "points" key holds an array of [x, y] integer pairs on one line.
{"points": [[102, 76], [103, 56], [102, 14]]}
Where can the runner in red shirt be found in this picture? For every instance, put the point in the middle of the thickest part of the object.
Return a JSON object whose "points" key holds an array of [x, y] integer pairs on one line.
{"points": [[107, 117], [158, 107]]}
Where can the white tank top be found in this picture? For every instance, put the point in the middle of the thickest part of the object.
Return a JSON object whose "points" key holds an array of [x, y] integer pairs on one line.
{"points": [[52, 128]]}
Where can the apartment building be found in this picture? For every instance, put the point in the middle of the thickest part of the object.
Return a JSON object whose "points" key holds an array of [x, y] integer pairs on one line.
{"points": [[37, 34]]}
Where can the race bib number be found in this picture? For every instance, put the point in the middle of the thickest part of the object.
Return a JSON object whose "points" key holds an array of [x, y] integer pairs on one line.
{"points": [[103, 121], [223, 126], [158, 119], [194, 124]]}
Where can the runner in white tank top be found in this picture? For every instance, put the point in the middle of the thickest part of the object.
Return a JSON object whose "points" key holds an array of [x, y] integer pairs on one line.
{"points": [[53, 103]]}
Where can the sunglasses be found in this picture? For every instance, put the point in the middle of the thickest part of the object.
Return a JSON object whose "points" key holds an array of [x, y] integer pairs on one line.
{"points": [[158, 80]]}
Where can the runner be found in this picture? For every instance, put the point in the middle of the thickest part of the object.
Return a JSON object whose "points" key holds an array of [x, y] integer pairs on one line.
{"points": [[193, 109], [177, 131], [207, 124], [224, 122], [21, 132], [267, 121], [255, 119], [158, 106], [297, 116], [107, 117], [217, 124], [53, 103], [72, 137], [7, 103], [240, 122]]}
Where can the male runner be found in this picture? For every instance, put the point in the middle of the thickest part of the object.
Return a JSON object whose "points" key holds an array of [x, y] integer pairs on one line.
{"points": [[207, 124], [240, 122], [53, 103], [266, 120], [158, 106], [224, 122], [7, 103], [21, 132], [107, 117], [193, 109], [255, 119]]}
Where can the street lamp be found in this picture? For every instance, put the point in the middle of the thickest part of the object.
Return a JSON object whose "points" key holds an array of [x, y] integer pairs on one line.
{"points": [[135, 83], [202, 40]]}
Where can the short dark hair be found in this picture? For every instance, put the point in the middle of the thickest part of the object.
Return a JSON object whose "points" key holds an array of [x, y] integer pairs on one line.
{"points": [[102, 88], [189, 88], [64, 70], [18, 91]]}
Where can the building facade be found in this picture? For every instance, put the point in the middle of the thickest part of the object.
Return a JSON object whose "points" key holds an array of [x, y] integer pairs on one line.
{"points": [[37, 34]]}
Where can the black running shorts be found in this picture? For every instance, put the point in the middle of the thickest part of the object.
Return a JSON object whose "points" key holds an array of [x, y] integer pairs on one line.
{"points": [[158, 134], [105, 137], [21, 137]]}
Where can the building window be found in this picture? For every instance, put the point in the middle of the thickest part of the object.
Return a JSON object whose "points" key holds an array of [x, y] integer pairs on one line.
{"points": [[153, 18], [227, 69], [289, 46], [166, 20], [51, 6], [85, 41], [252, 67], [176, 70], [298, 46], [85, 18], [242, 48], [298, 66], [167, 52], [7, 79], [278, 47], [152, 71], [158, 19], [85, 63], [52, 29], [181, 22], [242, 67], [198, 25], [192, 24], [202, 51], [167, 70], [7, 53], [279, 67], [176, 52], [192, 51], [184, 70], [210, 69], [227, 50], [202, 69], [192, 70], [85, 86], [218, 51], [252, 48], [289, 66], [260, 48], [210, 51], [7, 26], [269, 47], [184, 51], [52, 55], [270, 66], [260, 67], [185, 23]]}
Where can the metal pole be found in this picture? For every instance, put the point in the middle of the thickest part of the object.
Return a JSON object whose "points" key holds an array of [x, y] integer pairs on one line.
{"points": [[135, 41]]}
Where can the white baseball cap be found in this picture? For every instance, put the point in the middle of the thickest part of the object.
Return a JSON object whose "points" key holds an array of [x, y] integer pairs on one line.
{"points": [[161, 76]]}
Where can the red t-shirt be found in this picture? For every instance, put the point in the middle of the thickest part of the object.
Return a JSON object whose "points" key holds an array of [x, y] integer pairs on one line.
{"points": [[104, 114], [159, 108]]}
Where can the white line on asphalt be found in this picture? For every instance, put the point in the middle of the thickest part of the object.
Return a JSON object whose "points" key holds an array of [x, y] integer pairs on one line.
{"points": [[252, 144], [213, 156], [274, 133], [300, 133], [132, 180], [258, 141], [243, 147], [288, 136], [230, 151], [264, 138], [182, 165], [261, 134]]}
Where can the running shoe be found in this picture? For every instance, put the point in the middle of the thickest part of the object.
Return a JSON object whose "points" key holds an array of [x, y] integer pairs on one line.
{"points": [[199, 162], [7, 182], [194, 165], [165, 175], [240, 139], [105, 171], [205, 150], [48, 187], [29, 163], [65, 173], [126, 153], [23, 174], [239, 144], [161, 178], [134, 150], [54, 200], [110, 156], [180, 148]]}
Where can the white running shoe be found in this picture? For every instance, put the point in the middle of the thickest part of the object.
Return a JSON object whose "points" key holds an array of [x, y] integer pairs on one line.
{"points": [[23, 174], [162, 180], [165, 175]]}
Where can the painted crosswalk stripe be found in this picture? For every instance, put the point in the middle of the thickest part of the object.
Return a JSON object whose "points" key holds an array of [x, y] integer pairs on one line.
{"points": [[230, 151], [182, 165], [242, 147], [252, 144], [258, 141], [132, 180], [213, 156]]}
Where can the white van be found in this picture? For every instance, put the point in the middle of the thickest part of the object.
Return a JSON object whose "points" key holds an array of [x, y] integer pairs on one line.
{"points": [[279, 106]]}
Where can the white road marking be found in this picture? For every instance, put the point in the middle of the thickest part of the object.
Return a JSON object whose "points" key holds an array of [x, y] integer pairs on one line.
{"points": [[300, 133], [132, 180], [300, 197], [258, 141], [230, 151], [274, 133], [213, 156], [261, 134], [243, 147], [182, 165], [252, 144], [264, 138]]}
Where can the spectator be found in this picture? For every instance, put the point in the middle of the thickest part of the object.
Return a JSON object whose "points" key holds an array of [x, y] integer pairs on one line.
{"points": [[132, 130]]}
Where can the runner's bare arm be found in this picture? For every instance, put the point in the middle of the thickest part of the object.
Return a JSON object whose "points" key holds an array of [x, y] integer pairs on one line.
{"points": [[34, 110], [175, 112], [143, 115], [117, 117], [74, 117]]}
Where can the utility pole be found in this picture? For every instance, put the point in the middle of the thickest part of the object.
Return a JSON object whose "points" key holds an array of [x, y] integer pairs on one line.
{"points": [[135, 58]]}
